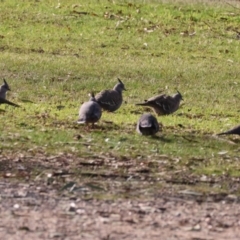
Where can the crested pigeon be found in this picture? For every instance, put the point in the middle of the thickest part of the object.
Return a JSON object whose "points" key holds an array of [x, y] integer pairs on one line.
{"points": [[163, 104], [90, 112], [147, 124], [3, 90], [235, 130], [111, 100]]}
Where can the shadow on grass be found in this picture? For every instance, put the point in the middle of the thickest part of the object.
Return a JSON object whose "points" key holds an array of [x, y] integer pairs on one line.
{"points": [[162, 139]]}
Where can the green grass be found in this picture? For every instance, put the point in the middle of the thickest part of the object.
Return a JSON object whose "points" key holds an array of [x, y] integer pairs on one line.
{"points": [[53, 55]]}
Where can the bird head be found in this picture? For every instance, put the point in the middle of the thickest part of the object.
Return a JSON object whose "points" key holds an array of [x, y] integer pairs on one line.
{"points": [[5, 86], [119, 86], [179, 94]]}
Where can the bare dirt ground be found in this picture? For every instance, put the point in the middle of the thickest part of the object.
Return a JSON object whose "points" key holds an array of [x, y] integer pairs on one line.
{"points": [[36, 207]]}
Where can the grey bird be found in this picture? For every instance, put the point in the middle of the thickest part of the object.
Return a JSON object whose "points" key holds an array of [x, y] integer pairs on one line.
{"points": [[3, 91], [163, 104], [235, 130], [111, 100], [147, 124], [90, 112]]}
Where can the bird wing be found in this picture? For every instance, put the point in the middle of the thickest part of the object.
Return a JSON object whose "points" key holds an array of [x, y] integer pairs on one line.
{"points": [[109, 98], [89, 111], [157, 98], [168, 104], [152, 101]]}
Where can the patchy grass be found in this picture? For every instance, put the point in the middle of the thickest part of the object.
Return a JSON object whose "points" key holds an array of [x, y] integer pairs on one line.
{"points": [[54, 53]]}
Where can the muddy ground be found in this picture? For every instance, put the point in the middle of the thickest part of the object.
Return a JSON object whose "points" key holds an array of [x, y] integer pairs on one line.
{"points": [[37, 201]]}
